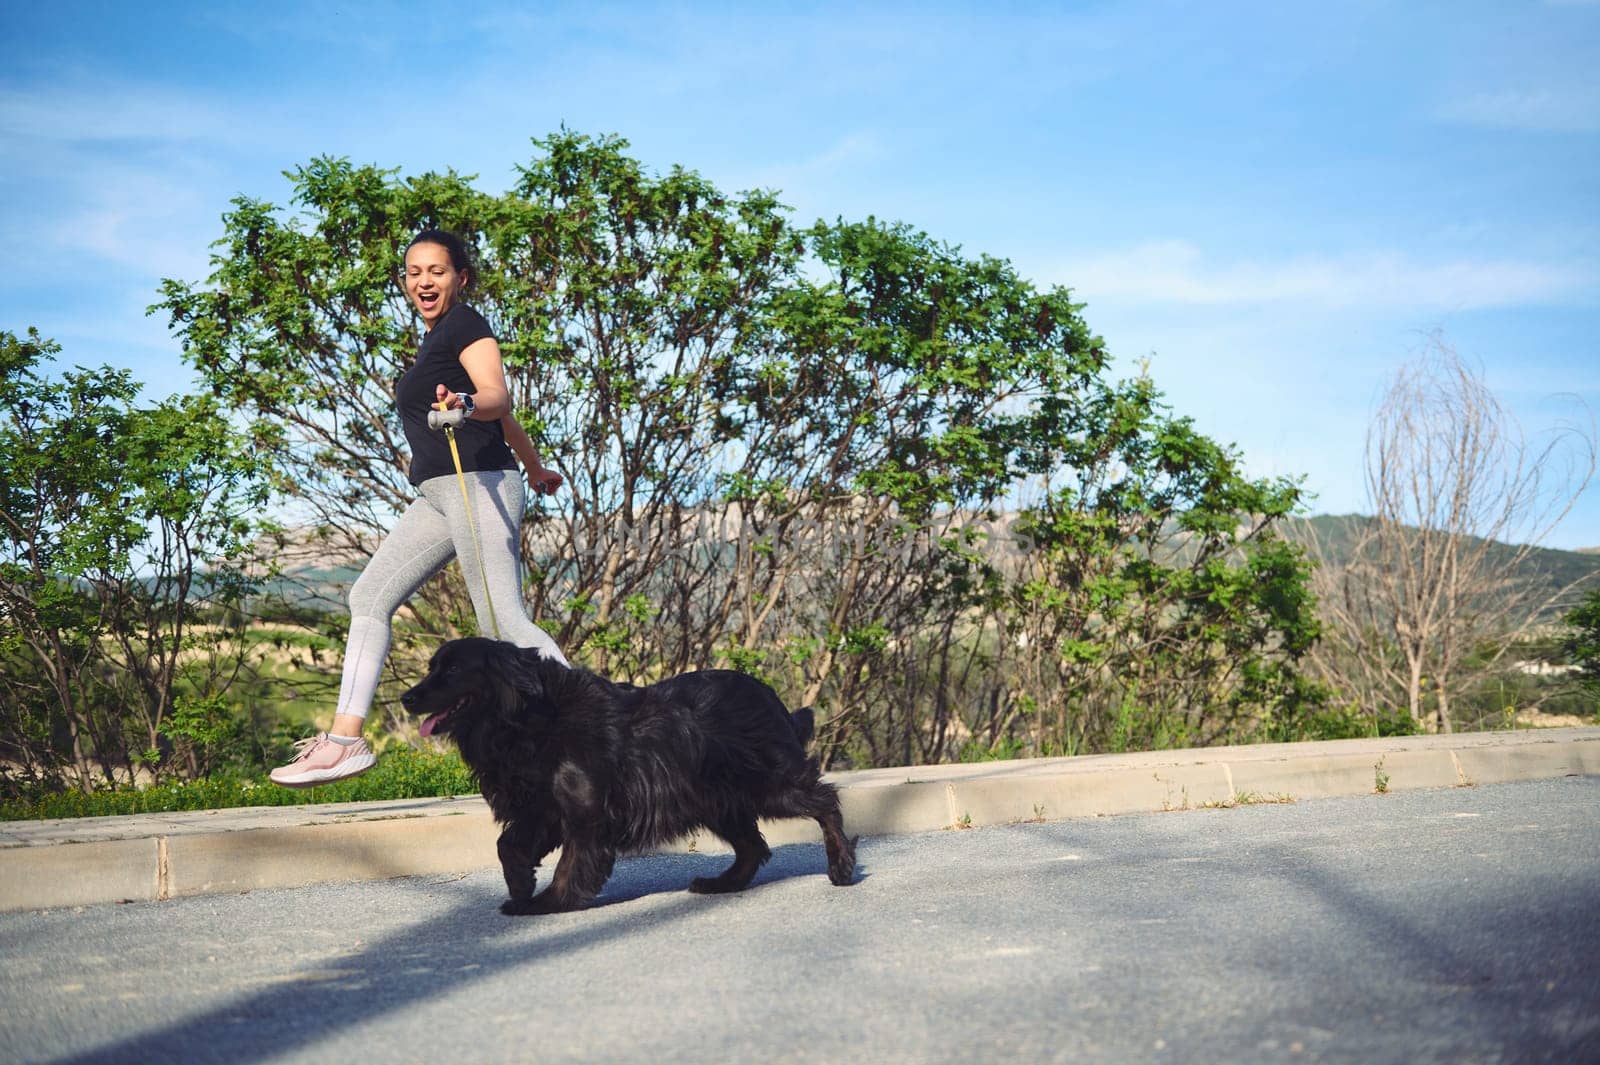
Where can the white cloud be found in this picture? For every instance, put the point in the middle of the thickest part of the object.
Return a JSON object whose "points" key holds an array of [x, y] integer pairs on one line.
{"points": [[112, 112], [123, 173], [1544, 110], [124, 210], [1178, 272], [161, 243], [841, 159]]}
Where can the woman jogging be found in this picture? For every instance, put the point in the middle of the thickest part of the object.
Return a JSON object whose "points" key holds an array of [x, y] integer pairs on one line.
{"points": [[458, 366]]}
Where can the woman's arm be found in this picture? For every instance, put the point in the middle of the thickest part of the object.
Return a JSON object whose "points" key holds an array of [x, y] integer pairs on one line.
{"points": [[492, 402], [481, 360], [543, 481]]}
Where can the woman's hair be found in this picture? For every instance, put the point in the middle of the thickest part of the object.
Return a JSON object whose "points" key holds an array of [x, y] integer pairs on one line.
{"points": [[460, 254]]}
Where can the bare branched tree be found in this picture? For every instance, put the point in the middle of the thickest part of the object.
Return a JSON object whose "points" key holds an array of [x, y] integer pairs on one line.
{"points": [[1443, 572]]}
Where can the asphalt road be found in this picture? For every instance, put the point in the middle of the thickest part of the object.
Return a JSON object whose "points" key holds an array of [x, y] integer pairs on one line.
{"points": [[1449, 926]]}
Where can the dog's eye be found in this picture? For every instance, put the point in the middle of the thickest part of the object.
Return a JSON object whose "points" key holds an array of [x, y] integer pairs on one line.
{"points": [[452, 671]]}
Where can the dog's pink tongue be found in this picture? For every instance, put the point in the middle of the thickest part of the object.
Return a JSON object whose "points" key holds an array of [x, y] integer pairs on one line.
{"points": [[429, 722]]}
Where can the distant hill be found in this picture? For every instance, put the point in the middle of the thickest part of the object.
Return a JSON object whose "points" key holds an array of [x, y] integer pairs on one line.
{"points": [[315, 576], [313, 573], [1550, 567]]}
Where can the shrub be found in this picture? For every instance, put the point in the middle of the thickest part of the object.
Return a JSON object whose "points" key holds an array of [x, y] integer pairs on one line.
{"points": [[402, 773]]}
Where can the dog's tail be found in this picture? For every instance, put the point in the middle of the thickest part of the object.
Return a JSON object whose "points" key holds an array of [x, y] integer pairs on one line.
{"points": [[805, 724]]}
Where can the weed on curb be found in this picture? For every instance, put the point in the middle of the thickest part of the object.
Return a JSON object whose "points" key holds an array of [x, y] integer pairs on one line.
{"points": [[1250, 798]]}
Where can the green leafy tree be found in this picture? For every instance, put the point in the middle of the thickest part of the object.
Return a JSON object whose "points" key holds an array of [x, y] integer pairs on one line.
{"points": [[895, 479], [1176, 611], [1583, 644], [122, 524], [619, 297]]}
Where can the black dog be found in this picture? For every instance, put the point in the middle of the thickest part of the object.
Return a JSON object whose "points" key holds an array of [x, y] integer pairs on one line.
{"points": [[566, 758]]}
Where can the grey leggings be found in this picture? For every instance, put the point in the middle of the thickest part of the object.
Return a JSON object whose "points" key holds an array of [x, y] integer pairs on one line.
{"points": [[431, 532]]}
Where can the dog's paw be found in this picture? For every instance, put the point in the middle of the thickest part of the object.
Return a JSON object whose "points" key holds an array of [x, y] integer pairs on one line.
{"points": [[715, 885], [520, 907], [842, 867], [544, 902]]}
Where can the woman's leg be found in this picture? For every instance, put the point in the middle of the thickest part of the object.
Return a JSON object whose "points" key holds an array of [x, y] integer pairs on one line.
{"points": [[417, 547], [497, 506]]}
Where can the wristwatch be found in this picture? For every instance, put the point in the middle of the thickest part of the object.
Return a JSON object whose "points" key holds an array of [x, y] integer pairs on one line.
{"points": [[468, 404]]}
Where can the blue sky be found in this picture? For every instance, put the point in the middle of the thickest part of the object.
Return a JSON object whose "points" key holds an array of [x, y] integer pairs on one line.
{"points": [[1275, 204]]}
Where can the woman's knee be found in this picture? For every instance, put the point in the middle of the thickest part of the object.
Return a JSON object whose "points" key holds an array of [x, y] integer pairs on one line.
{"points": [[366, 598]]}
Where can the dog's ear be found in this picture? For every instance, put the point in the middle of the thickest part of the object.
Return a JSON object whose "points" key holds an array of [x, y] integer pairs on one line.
{"points": [[500, 676], [514, 682]]}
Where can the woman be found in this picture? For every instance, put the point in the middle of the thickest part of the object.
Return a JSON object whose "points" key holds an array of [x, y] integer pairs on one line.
{"points": [[459, 367]]}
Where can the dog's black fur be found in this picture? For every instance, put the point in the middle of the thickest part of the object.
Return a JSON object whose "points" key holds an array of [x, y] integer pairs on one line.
{"points": [[566, 758]]}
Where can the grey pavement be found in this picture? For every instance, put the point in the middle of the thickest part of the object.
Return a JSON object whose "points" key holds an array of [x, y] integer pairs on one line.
{"points": [[1432, 925], [88, 861]]}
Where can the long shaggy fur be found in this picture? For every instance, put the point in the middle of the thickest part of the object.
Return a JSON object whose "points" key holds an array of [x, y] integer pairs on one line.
{"points": [[566, 758]]}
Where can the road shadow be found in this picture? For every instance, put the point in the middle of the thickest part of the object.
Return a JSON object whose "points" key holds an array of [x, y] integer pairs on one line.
{"points": [[1471, 975], [1458, 954], [462, 945]]}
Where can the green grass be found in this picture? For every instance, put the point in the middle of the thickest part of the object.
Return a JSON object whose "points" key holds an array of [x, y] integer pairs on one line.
{"points": [[401, 773]]}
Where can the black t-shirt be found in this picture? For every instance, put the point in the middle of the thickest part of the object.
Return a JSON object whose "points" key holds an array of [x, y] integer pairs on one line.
{"points": [[482, 444]]}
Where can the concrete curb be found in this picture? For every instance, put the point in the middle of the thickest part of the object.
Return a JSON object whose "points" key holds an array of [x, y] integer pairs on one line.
{"points": [[88, 861]]}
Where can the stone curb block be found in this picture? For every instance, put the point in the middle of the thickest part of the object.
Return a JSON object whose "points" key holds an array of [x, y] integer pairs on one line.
{"points": [[1499, 765], [895, 810], [979, 802], [265, 858], [1336, 775], [80, 874], [446, 837], [878, 810]]}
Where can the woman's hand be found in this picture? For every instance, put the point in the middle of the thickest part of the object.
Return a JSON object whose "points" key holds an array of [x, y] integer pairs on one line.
{"points": [[444, 399], [543, 482]]}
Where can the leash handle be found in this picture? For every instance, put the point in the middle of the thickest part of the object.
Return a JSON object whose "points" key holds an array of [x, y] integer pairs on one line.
{"points": [[477, 545]]}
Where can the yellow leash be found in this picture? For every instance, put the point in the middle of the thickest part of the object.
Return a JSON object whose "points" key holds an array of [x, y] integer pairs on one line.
{"points": [[461, 479]]}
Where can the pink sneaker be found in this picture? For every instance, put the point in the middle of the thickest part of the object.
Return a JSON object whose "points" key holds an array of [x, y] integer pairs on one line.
{"points": [[320, 760]]}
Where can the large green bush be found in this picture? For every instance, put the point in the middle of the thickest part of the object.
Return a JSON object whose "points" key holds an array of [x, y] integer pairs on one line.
{"points": [[899, 481], [1582, 643], [125, 526]]}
